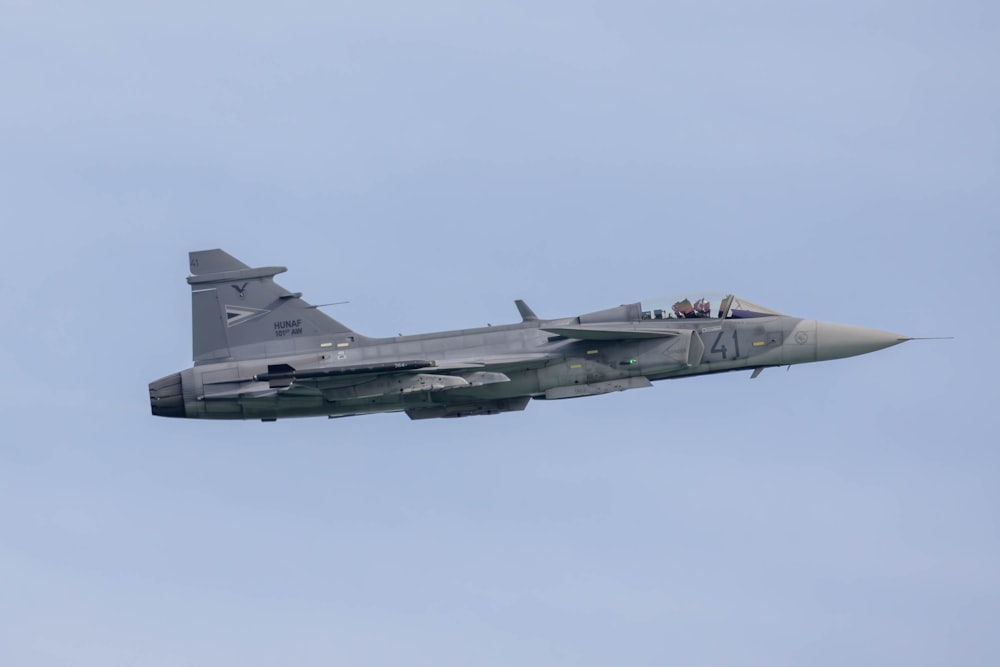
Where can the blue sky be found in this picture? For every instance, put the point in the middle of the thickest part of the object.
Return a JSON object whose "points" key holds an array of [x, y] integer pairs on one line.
{"points": [[431, 163]]}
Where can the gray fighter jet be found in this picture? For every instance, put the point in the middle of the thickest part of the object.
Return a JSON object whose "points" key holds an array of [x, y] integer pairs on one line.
{"points": [[261, 352]]}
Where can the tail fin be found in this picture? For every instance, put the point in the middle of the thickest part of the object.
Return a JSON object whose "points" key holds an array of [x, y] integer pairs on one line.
{"points": [[238, 312]]}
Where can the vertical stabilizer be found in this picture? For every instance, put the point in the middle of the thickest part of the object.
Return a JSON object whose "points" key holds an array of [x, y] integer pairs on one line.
{"points": [[239, 312]]}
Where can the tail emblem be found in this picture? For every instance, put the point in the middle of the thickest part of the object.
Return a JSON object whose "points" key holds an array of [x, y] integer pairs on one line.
{"points": [[241, 289], [238, 315]]}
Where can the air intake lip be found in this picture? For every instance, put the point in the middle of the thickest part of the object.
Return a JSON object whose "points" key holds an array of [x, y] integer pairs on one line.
{"points": [[166, 398]]}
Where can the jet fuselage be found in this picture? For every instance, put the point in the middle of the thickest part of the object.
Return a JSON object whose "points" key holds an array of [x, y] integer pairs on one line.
{"points": [[263, 353]]}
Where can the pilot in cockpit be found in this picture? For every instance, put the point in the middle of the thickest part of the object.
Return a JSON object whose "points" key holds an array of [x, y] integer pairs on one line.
{"points": [[702, 308], [683, 309]]}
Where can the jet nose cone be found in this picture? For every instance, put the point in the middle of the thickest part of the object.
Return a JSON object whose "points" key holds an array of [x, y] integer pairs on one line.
{"points": [[166, 398], [836, 341]]}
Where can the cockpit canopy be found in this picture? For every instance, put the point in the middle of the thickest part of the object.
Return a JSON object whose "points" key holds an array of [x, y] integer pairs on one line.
{"points": [[706, 305]]}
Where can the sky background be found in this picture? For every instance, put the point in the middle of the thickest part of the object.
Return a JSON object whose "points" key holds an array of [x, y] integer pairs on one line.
{"points": [[431, 162]]}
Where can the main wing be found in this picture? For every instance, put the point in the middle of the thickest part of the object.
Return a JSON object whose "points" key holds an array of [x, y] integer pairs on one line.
{"points": [[347, 382]]}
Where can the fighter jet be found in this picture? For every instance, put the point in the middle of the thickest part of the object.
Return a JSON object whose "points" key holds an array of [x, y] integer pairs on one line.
{"points": [[262, 352]]}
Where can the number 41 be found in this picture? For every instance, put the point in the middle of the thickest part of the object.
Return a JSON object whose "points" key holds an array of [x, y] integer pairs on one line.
{"points": [[722, 349]]}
